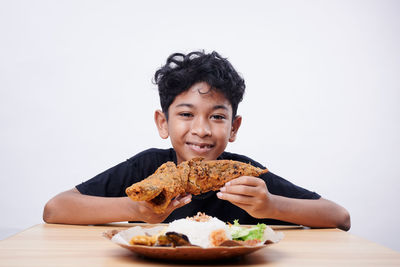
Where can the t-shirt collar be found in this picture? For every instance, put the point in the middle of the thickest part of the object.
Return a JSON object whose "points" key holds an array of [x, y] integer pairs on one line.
{"points": [[175, 160]]}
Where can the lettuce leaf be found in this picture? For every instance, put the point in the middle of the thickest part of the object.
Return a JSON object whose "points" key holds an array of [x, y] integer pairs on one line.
{"points": [[247, 233]]}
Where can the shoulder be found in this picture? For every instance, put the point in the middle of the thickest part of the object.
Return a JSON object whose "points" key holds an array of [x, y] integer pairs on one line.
{"points": [[241, 158]]}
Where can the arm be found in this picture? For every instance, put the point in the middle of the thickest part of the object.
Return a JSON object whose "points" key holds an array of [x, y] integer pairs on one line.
{"points": [[252, 195], [72, 207]]}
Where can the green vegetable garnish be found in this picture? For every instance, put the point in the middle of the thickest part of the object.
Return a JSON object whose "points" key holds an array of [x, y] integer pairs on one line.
{"points": [[245, 233]]}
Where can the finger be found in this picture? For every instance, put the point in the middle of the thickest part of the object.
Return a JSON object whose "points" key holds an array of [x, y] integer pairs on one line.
{"points": [[181, 200], [240, 190], [181, 196], [236, 199], [245, 180]]}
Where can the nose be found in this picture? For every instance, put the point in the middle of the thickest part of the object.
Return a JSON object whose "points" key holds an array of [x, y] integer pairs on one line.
{"points": [[201, 127]]}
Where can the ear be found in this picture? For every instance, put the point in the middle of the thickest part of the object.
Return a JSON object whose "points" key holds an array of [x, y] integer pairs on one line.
{"points": [[161, 123], [235, 127]]}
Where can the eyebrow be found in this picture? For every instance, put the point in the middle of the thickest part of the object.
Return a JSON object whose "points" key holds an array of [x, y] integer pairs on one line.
{"points": [[191, 106], [220, 107], [184, 105]]}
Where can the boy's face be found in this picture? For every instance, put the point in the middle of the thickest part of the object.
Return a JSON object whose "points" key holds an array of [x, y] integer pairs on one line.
{"points": [[199, 123]]}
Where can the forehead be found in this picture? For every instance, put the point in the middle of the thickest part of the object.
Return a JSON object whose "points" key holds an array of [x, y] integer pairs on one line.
{"points": [[202, 94]]}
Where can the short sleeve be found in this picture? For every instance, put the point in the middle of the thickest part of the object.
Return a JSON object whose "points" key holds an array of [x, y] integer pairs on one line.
{"points": [[279, 186], [110, 183], [276, 185], [114, 181]]}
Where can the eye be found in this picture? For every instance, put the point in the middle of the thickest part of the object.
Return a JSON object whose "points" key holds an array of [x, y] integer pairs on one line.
{"points": [[186, 114], [218, 117]]}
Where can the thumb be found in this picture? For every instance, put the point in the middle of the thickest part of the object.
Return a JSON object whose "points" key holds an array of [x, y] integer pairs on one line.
{"points": [[180, 201]]}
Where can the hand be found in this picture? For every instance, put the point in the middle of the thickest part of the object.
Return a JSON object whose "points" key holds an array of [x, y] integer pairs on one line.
{"points": [[248, 193], [143, 211]]}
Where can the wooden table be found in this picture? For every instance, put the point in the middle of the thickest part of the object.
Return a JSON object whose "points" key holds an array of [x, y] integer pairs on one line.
{"points": [[71, 245]]}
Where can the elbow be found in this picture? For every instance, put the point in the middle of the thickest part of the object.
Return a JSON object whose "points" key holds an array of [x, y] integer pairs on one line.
{"points": [[345, 222], [49, 212], [56, 209]]}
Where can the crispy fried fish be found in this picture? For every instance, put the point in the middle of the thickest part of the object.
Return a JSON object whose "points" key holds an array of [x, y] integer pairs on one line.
{"points": [[195, 176]]}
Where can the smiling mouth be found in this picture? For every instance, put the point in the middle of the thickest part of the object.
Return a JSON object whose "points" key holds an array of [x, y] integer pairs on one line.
{"points": [[200, 147]]}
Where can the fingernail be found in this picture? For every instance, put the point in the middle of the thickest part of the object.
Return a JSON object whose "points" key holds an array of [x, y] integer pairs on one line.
{"points": [[187, 200], [176, 203], [222, 189], [228, 183], [219, 195]]}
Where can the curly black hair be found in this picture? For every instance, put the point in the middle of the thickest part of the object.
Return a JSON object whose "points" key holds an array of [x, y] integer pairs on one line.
{"points": [[182, 71]]}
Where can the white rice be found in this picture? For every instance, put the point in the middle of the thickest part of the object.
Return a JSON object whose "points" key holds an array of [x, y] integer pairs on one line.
{"points": [[198, 232]]}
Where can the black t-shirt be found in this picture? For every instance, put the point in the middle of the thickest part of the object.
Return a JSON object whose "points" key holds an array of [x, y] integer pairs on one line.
{"points": [[114, 181]]}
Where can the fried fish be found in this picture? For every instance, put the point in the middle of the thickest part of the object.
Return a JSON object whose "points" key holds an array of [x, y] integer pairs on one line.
{"points": [[195, 176]]}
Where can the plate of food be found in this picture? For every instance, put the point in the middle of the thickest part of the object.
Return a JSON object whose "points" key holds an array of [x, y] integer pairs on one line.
{"points": [[200, 237]]}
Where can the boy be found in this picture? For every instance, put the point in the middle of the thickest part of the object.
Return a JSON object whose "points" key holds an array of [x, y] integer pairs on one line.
{"points": [[199, 95]]}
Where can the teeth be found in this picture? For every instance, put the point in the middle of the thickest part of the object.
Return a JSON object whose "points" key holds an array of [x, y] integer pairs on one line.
{"points": [[201, 146]]}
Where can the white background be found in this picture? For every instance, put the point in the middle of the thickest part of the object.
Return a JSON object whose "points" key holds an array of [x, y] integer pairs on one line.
{"points": [[321, 107]]}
